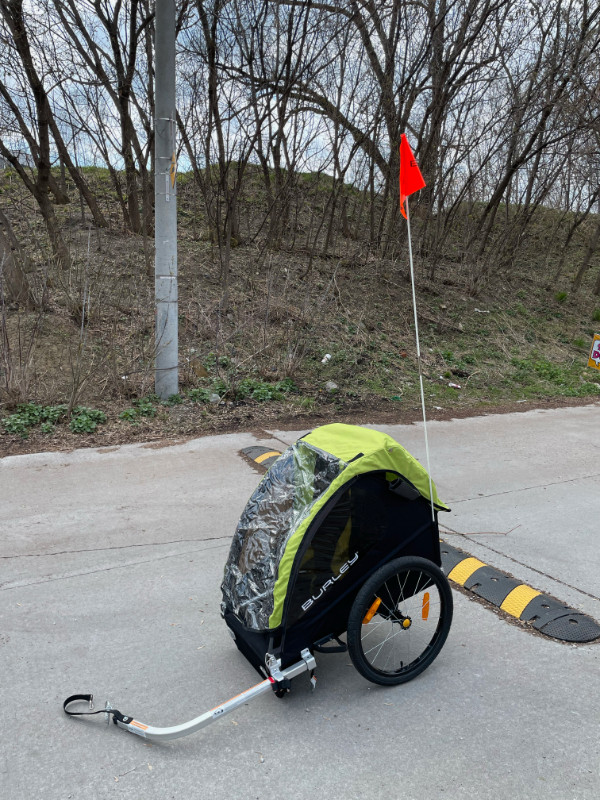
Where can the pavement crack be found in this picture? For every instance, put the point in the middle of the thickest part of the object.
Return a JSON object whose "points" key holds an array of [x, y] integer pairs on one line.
{"points": [[113, 547], [480, 533], [523, 564], [129, 771], [278, 439], [7, 588], [527, 488]]}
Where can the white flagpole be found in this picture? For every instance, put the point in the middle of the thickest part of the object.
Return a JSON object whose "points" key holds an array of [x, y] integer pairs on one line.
{"points": [[414, 297]]}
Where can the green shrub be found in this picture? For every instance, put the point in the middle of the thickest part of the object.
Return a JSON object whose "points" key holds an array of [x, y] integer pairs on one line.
{"points": [[286, 385], [53, 413], [16, 423], [199, 395], [261, 391], [28, 415], [264, 392], [220, 386], [144, 406], [589, 388], [560, 297], [86, 420], [82, 424], [173, 400], [93, 413], [596, 315], [549, 372]]}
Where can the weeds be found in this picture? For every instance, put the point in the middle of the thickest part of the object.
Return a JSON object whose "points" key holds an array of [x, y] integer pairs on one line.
{"points": [[202, 396], [246, 389], [263, 392], [540, 377], [30, 415], [129, 414], [146, 406], [94, 342], [142, 407], [173, 400], [86, 420]]}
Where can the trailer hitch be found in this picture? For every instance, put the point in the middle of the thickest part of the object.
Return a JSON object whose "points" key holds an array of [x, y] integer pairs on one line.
{"points": [[152, 733]]}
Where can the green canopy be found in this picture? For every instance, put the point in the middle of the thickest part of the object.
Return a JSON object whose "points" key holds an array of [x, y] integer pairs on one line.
{"points": [[361, 450], [284, 505]]}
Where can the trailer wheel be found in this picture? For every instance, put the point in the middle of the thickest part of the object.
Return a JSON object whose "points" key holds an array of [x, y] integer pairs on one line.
{"points": [[399, 621]]}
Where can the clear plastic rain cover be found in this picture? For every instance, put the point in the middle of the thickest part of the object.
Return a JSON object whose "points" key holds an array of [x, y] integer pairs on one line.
{"points": [[282, 500]]}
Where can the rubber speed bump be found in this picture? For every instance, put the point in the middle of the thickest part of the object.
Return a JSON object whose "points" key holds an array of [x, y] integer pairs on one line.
{"points": [[517, 600], [464, 569], [544, 613], [492, 585], [263, 457]]}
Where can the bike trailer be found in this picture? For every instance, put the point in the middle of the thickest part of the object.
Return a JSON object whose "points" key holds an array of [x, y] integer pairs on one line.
{"points": [[340, 536], [335, 506]]}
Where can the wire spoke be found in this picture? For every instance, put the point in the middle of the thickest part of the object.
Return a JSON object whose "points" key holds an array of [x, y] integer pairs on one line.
{"points": [[386, 652], [388, 638], [379, 646]]}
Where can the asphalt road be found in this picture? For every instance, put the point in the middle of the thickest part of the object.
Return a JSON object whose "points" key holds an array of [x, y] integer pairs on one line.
{"points": [[110, 565]]}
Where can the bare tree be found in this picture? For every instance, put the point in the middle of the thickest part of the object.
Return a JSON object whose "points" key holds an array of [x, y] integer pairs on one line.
{"points": [[39, 184], [13, 267], [117, 69]]}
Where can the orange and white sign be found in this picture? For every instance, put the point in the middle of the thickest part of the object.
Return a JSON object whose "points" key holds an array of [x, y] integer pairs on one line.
{"points": [[594, 360]]}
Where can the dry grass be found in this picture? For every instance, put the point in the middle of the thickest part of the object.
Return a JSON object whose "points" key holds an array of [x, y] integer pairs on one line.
{"points": [[92, 342]]}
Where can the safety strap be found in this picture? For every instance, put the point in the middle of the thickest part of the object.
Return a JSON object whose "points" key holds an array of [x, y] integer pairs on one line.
{"points": [[89, 698]]}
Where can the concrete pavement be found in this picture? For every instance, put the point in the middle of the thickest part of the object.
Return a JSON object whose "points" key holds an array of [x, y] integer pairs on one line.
{"points": [[110, 564]]}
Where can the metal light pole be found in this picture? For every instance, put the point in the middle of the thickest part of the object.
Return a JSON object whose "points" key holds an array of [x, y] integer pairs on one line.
{"points": [[165, 203]]}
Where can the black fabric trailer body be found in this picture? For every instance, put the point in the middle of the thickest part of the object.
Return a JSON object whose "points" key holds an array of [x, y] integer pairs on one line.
{"points": [[371, 518]]}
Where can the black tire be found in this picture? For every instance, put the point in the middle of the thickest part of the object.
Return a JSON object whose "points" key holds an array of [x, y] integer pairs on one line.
{"points": [[410, 601]]}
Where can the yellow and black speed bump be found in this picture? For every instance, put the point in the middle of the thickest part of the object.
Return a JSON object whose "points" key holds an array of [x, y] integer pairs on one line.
{"points": [[261, 456], [493, 586], [545, 614]]}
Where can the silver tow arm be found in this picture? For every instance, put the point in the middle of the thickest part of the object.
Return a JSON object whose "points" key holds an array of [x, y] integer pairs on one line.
{"points": [[152, 733]]}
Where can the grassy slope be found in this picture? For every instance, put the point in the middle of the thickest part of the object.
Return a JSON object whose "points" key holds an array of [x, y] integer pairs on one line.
{"points": [[516, 340]]}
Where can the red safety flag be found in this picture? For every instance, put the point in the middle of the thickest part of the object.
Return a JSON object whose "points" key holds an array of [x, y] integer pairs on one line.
{"points": [[411, 179]]}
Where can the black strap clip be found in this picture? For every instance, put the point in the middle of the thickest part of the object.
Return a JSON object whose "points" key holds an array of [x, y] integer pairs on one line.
{"points": [[89, 698]]}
